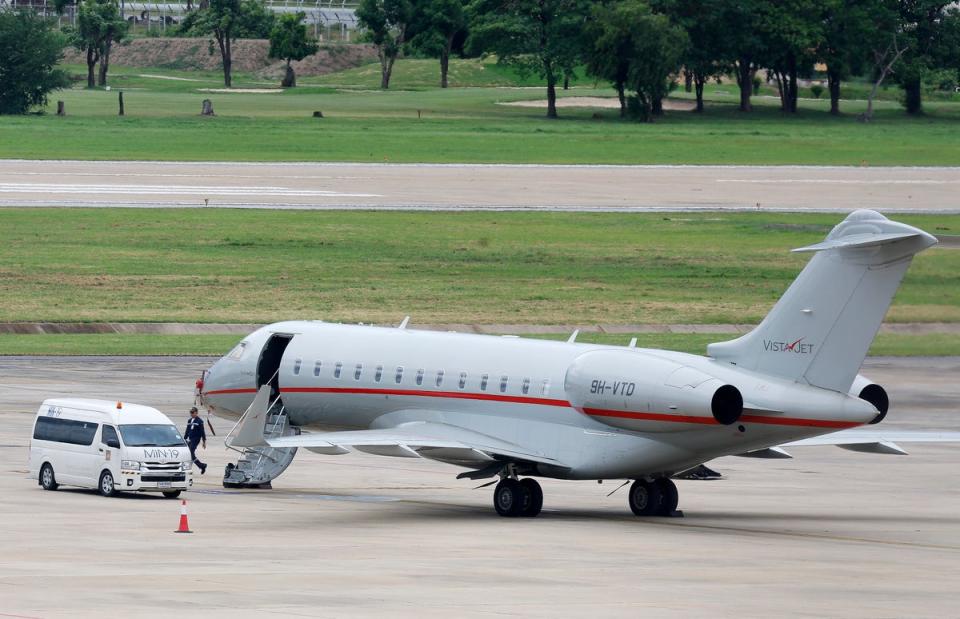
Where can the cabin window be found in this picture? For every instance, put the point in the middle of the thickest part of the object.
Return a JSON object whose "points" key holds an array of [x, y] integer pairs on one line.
{"points": [[296, 366], [358, 371], [439, 377], [503, 384], [337, 369], [420, 376], [525, 387], [379, 373], [463, 379], [483, 382], [545, 387], [316, 368], [399, 376]]}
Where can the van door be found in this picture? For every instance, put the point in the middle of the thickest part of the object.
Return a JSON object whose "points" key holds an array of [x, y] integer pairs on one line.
{"points": [[110, 452]]}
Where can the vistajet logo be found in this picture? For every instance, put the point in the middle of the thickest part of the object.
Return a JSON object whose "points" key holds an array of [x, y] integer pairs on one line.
{"points": [[797, 347]]}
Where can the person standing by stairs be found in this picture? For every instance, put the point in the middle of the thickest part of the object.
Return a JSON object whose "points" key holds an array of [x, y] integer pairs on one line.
{"points": [[194, 435]]}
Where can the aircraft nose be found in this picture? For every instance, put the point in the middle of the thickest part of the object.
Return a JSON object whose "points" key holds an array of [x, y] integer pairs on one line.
{"points": [[226, 390]]}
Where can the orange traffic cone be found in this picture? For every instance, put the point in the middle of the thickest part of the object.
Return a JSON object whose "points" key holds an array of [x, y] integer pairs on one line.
{"points": [[184, 527]]}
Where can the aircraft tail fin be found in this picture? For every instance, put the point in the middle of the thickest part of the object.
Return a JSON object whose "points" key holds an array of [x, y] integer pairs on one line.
{"points": [[820, 330]]}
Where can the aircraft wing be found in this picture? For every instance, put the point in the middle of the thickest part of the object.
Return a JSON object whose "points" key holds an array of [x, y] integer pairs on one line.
{"points": [[418, 439]]}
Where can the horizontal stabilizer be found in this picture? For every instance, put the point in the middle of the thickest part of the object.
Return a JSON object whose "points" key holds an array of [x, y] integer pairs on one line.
{"points": [[858, 240]]}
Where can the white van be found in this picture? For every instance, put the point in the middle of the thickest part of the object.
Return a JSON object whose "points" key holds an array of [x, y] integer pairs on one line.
{"points": [[110, 446]]}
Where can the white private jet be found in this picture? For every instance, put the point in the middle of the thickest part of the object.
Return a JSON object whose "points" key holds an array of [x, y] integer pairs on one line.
{"points": [[518, 408]]}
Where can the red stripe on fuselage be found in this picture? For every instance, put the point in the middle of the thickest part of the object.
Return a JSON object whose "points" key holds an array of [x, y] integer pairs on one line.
{"points": [[593, 412], [488, 397]]}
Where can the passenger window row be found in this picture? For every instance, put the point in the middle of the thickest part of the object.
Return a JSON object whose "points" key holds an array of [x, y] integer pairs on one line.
{"points": [[438, 380]]}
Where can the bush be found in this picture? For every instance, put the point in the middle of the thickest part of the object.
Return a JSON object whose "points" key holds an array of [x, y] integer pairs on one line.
{"points": [[28, 77], [757, 82], [817, 90]]}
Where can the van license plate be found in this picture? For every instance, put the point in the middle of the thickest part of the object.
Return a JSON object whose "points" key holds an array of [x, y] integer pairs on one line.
{"points": [[164, 484]]}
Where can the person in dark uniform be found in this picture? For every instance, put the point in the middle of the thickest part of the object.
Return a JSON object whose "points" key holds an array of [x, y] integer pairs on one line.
{"points": [[194, 436]]}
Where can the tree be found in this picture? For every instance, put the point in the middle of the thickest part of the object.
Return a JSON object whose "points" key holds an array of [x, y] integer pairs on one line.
{"points": [[636, 49], [386, 22], [535, 36], [850, 27], [790, 31], [743, 45], [30, 49], [289, 41], [440, 23], [704, 57], [926, 32], [228, 20], [98, 24]]}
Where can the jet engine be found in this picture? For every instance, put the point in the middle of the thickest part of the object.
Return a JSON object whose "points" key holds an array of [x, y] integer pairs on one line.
{"points": [[865, 389], [638, 391]]}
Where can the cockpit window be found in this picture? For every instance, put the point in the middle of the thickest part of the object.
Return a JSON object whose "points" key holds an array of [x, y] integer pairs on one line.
{"points": [[237, 351]]}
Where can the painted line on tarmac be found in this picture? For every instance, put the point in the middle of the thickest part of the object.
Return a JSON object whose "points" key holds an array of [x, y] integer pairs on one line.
{"points": [[179, 190], [828, 181]]}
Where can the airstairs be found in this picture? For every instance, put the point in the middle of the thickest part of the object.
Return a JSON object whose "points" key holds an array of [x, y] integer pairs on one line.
{"points": [[257, 466]]}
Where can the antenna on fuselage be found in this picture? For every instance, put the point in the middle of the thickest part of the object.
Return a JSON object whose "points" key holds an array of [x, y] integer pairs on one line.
{"points": [[573, 336], [403, 323]]}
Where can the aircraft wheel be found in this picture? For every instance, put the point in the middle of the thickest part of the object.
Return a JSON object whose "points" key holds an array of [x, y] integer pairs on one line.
{"points": [[644, 498], [534, 502], [509, 498], [106, 486], [47, 480], [669, 496]]}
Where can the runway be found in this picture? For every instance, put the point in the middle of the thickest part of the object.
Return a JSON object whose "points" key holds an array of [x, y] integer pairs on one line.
{"points": [[477, 187], [830, 533]]}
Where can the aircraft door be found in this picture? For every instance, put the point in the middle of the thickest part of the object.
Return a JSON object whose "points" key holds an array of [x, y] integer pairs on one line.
{"points": [[269, 363]]}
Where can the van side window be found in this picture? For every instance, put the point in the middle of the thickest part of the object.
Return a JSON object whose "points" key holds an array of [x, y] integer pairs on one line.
{"points": [[525, 388], [336, 369], [108, 433], [439, 377], [483, 382], [65, 430], [296, 366], [420, 376], [545, 387], [379, 373], [316, 368], [358, 371], [503, 384], [399, 377], [463, 380]]}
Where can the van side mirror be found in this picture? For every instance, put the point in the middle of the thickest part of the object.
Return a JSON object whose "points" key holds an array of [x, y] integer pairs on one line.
{"points": [[112, 442]]}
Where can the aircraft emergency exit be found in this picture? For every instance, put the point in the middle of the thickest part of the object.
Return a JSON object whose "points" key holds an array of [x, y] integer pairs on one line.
{"points": [[517, 409]]}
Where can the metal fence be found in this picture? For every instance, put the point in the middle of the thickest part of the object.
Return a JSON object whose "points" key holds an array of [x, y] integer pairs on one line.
{"points": [[329, 19]]}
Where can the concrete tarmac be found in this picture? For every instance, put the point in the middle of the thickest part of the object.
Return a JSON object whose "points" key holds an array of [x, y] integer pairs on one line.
{"points": [[477, 187], [830, 533]]}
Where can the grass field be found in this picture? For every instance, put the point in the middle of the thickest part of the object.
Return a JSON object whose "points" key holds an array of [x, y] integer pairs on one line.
{"points": [[199, 265], [218, 345], [416, 123]]}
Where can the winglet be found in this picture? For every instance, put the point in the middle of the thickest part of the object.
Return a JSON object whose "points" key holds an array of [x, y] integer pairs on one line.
{"points": [[250, 427]]}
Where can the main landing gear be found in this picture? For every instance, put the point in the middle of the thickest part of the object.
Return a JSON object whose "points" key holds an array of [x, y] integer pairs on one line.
{"points": [[658, 497], [513, 497]]}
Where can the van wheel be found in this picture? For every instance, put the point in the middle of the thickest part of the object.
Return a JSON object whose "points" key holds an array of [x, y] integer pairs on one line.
{"points": [[47, 479], [106, 487], [171, 494]]}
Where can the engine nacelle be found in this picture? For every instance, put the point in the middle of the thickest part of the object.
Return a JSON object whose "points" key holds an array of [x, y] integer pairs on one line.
{"points": [[867, 390], [637, 391]]}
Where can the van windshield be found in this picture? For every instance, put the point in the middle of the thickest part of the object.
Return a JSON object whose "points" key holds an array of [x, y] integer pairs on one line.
{"points": [[151, 435]]}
